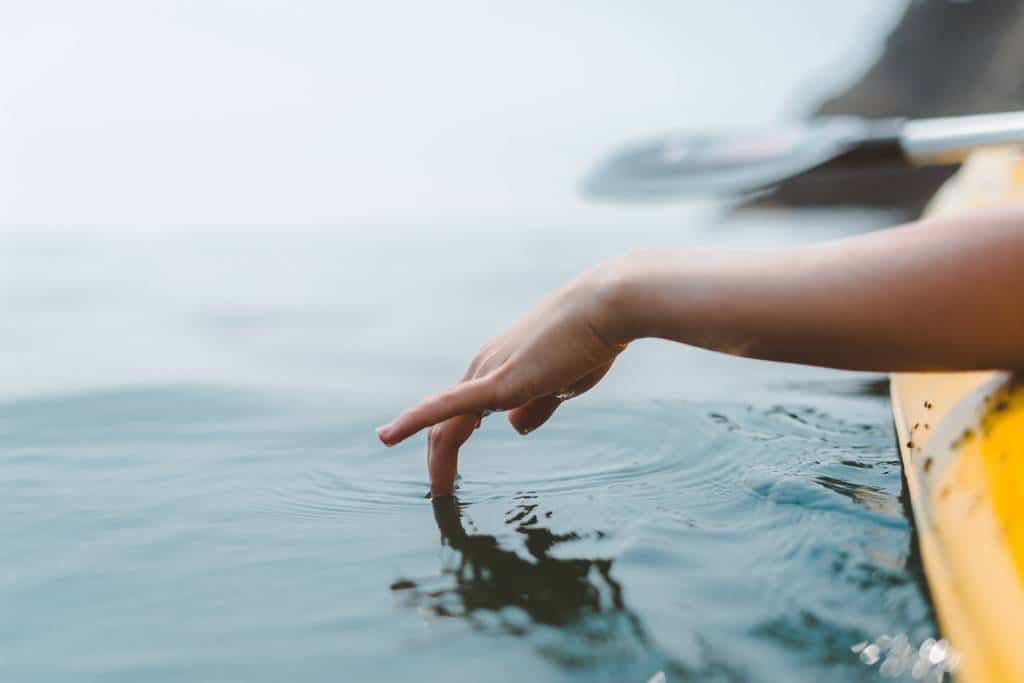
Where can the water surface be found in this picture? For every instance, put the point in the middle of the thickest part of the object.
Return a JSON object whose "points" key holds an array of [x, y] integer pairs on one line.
{"points": [[192, 489]]}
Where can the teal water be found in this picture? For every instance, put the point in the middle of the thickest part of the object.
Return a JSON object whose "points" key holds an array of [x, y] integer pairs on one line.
{"points": [[192, 490], [191, 533]]}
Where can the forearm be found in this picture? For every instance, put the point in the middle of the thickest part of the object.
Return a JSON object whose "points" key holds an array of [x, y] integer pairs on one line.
{"points": [[931, 295]]}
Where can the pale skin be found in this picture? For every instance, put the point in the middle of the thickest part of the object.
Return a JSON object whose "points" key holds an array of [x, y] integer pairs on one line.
{"points": [[932, 295]]}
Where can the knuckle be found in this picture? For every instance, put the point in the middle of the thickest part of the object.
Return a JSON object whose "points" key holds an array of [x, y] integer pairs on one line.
{"points": [[436, 437], [506, 391]]}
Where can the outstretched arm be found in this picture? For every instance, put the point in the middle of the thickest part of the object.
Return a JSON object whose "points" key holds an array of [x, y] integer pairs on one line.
{"points": [[937, 294]]}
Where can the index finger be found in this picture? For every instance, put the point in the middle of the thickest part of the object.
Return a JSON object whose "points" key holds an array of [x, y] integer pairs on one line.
{"points": [[473, 396]]}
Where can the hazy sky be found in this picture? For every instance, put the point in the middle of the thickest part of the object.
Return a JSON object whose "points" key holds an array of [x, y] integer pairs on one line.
{"points": [[269, 112]]}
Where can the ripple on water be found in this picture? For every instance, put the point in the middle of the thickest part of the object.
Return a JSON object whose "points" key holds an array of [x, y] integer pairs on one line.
{"points": [[778, 527], [322, 493], [722, 541]]}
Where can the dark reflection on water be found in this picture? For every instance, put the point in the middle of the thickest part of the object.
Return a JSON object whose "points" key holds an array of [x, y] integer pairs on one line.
{"points": [[498, 589], [550, 590], [869, 496]]}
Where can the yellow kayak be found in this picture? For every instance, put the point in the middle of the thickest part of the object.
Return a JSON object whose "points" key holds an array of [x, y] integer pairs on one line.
{"points": [[961, 439]]}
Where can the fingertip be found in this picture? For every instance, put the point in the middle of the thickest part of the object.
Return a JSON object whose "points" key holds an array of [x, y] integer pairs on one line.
{"points": [[384, 434], [442, 476], [440, 490], [396, 431]]}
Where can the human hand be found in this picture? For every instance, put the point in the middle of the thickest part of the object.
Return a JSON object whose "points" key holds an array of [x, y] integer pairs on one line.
{"points": [[559, 350]]}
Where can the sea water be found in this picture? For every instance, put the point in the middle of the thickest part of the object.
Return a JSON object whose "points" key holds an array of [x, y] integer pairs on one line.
{"points": [[192, 489]]}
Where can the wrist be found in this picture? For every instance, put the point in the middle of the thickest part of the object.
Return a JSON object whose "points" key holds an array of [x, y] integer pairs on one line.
{"points": [[620, 287]]}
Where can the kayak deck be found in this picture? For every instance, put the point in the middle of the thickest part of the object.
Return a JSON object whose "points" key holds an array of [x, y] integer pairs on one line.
{"points": [[961, 440]]}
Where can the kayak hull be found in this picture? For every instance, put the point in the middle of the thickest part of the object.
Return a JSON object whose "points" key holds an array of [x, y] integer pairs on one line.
{"points": [[961, 439]]}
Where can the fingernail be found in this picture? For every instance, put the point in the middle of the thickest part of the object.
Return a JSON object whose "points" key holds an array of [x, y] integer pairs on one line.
{"points": [[382, 434]]}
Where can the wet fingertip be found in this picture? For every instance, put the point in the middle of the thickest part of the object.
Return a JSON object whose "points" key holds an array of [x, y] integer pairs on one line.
{"points": [[441, 491]]}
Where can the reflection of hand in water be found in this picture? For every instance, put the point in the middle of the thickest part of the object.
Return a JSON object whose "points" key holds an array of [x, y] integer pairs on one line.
{"points": [[497, 589], [550, 590]]}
